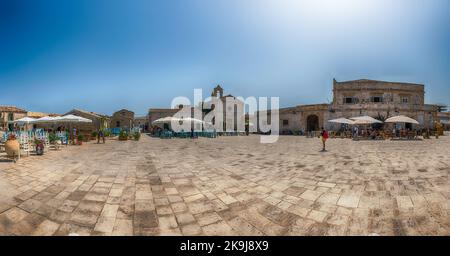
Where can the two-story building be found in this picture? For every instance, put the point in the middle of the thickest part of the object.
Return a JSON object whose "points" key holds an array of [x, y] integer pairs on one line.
{"points": [[122, 119], [377, 99], [8, 114]]}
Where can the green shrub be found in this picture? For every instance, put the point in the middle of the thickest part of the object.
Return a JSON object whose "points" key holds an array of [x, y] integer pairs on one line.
{"points": [[94, 134], [52, 138], [137, 135], [123, 135], [80, 137]]}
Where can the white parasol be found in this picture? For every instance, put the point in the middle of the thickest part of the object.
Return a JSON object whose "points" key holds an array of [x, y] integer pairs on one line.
{"points": [[341, 121], [401, 119], [72, 119], [25, 120], [365, 120], [165, 120], [45, 119]]}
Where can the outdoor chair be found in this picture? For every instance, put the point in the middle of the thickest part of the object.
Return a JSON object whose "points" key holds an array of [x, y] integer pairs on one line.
{"points": [[5, 137], [387, 135], [25, 144], [64, 140], [411, 135], [166, 135]]}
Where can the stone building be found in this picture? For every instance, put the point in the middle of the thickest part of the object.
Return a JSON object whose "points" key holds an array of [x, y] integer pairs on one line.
{"points": [[99, 121], [37, 115], [230, 104], [122, 119], [444, 118], [377, 99], [230, 122], [141, 122], [8, 114], [157, 113]]}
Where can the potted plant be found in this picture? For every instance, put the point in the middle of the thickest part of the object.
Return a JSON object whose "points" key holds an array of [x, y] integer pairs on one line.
{"points": [[123, 135], [39, 147], [94, 135], [12, 146], [80, 139], [54, 140], [136, 136]]}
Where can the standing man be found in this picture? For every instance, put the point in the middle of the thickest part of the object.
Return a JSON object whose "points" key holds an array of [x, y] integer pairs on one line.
{"points": [[324, 137], [75, 136], [355, 132], [100, 135]]}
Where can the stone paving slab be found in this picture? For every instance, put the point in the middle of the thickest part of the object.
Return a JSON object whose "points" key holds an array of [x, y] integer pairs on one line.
{"points": [[230, 186]]}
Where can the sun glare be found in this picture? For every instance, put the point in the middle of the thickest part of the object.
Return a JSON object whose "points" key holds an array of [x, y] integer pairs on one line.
{"points": [[323, 9]]}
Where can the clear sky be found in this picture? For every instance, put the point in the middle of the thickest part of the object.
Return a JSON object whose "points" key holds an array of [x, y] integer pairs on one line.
{"points": [[104, 55]]}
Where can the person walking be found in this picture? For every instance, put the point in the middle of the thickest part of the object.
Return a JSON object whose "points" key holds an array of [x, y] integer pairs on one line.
{"points": [[324, 136]]}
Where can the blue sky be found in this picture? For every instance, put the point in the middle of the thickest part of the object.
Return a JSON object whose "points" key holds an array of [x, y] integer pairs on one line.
{"points": [[104, 55]]}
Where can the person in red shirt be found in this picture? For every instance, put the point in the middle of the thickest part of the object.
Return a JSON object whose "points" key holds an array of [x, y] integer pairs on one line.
{"points": [[324, 136]]}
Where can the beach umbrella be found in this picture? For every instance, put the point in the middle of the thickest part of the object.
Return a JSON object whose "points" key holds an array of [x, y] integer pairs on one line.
{"points": [[72, 119], [165, 120], [192, 120], [197, 123], [401, 119], [25, 120], [45, 119], [365, 120], [341, 121]]}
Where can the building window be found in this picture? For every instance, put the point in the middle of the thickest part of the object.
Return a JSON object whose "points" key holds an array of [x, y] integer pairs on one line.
{"points": [[405, 100], [350, 100], [376, 99], [285, 122]]}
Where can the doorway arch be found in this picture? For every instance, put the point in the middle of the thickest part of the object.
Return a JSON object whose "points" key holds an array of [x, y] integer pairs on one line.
{"points": [[312, 123]]}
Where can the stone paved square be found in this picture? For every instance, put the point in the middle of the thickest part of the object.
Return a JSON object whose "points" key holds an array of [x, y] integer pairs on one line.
{"points": [[230, 186]]}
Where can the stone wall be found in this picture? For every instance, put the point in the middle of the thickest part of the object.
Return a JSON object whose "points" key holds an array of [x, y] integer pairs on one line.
{"points": [[396, 99], [4, 122], [157, 113], [123, 119], [391, 95]]}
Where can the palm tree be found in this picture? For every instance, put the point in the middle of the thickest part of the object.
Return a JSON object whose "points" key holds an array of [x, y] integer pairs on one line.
{"points": [[381, 118]]}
